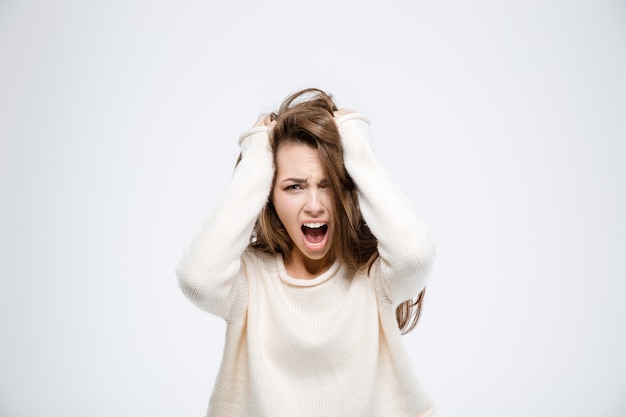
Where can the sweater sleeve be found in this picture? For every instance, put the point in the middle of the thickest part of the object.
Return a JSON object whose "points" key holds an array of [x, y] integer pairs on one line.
{"points": [[406, 251], [212, 261]]}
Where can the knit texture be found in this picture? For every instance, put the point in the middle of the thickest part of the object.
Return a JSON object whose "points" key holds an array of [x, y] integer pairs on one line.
{"points": [[328, 346]]}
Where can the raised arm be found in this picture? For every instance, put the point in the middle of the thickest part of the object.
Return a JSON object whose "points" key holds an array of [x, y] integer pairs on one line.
{"points": [[212, 260], [406, 251]]}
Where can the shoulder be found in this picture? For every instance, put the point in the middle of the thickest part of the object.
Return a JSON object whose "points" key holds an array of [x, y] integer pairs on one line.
{"points": [[255, 266], [256, 262]]}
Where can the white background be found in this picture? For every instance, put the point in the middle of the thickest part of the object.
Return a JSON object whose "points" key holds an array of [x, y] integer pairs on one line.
{"points": [[504, 121]]}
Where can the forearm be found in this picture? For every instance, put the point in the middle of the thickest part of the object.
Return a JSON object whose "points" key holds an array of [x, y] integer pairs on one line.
{"points": [[213, 258], [406, 251]]}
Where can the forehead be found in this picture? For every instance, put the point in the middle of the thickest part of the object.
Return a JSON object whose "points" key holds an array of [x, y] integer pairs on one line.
{"points": [[298, 158]]}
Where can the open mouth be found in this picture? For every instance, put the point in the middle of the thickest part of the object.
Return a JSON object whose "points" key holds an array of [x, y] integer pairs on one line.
{"points": [[314, 233]]}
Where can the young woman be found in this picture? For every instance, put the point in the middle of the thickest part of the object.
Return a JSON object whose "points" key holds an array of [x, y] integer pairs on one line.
{"points": [[313, 258]]}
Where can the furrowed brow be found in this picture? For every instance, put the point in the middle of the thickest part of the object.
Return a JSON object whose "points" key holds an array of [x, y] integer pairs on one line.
{"points": [[295, 180]]}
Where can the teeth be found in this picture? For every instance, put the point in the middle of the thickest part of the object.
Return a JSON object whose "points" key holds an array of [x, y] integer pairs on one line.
{"points": [[314, 225]]}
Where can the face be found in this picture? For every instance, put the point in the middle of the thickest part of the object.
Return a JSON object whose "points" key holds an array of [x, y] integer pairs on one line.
{"points": [[304, 204]]}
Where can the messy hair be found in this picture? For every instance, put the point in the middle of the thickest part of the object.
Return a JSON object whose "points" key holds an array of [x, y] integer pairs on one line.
{"points": [[307, 117]]}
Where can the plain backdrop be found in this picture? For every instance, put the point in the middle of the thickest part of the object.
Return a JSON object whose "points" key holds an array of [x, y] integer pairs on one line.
{"points": [[503, 121]]}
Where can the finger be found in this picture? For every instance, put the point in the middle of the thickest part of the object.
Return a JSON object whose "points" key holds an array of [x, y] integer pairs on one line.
{"points": [[262, 121]]}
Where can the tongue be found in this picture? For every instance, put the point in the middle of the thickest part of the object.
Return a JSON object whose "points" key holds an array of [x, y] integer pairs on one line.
{"points": [[314, 235]]}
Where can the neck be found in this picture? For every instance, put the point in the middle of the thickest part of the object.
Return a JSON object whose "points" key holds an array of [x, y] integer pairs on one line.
{"points": [[307, 268]]}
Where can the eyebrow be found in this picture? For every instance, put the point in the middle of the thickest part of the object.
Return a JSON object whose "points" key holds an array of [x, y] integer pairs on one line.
{"points": [[296, 180], [323, 181]]}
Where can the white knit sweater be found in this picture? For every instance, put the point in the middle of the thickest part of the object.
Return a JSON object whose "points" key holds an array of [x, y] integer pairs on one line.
{"points": [[324, 347]]}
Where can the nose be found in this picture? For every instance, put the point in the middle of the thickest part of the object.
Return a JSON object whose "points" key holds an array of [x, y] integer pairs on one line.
{"points": [[314, 202]]}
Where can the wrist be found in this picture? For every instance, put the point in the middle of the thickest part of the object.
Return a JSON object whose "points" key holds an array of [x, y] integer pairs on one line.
{"points": [[248, 135], [355, 136], [350, 117]]}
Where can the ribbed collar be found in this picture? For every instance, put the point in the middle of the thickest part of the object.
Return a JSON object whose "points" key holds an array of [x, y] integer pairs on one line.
{"points": [[300, 282]]}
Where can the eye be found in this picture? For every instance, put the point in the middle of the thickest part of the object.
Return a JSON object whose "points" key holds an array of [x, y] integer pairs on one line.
{"points": [[293, 187]]}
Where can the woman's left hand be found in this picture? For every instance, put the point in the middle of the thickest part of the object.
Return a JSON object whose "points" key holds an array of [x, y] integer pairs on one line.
{"points": [[342, 112]]}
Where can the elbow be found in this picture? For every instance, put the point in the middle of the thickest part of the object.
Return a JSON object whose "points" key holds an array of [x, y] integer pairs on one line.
{"points": [[189, 284], [185, 283], [425, 258], [417, 254], [419, 266], [204, 287], [413, 265]]}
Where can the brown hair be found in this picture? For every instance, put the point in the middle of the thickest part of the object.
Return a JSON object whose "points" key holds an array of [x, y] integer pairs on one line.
{"points": [[307, 117]]}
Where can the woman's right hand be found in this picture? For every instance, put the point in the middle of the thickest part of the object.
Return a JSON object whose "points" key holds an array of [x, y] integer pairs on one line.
{"points": [[265, 121]]}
